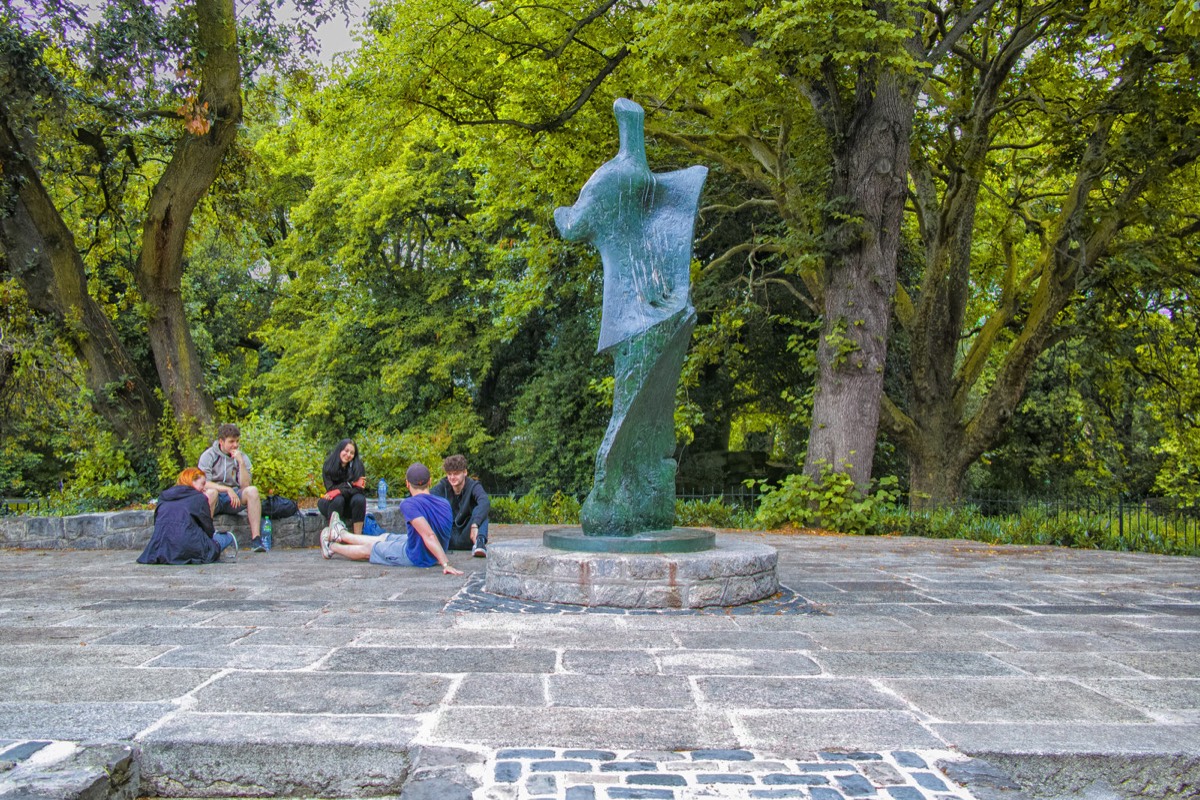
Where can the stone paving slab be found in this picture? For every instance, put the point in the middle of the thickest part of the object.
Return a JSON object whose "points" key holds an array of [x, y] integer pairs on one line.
{"points": [[80, 721], [50, 770], [1017, 699], [248, 656], [572, 727], [103, 684], [812, 692], [35, 656], [804, 729], [312, 693], [1074, 673]]}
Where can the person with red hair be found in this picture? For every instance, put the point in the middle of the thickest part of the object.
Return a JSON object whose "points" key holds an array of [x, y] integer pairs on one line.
{"points": [[183, 525]]}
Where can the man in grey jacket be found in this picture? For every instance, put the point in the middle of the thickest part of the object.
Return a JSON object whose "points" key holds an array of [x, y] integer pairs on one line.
{"points": [[229, 490]]}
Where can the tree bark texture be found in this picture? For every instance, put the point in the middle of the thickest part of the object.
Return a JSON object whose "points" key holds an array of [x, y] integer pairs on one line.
{"points": [[871, 164], [191, 171], [949, 422], [934, 436], [42, 255], [870, 133]]}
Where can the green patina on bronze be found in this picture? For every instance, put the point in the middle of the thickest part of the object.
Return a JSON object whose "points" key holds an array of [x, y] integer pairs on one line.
{"points": [[642, 224]]}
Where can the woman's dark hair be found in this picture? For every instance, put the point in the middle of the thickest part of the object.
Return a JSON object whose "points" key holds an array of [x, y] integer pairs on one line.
{"points": [[333, 468]]}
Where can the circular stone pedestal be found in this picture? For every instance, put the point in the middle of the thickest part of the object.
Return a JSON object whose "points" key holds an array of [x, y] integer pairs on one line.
{"points": [[730, 574]]}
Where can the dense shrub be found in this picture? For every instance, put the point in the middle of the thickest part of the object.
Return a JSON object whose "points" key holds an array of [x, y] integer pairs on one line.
{"points": [[283, 460], [388, 456], [1040, 526], [833, 502], [563, 509], [715, 513], [534, 509]]}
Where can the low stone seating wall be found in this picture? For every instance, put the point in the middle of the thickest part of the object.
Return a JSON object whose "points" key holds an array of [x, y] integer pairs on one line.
{"points": [[130, 530]]}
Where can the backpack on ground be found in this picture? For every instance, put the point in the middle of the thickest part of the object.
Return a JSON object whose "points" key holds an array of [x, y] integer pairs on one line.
{"points": [[275, 507]]}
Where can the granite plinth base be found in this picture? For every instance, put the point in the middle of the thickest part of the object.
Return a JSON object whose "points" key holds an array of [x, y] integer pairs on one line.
{"points": [[731, 573]]}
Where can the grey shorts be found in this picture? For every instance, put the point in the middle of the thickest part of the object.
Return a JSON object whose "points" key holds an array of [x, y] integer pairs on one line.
{"points": [[389, 551]]}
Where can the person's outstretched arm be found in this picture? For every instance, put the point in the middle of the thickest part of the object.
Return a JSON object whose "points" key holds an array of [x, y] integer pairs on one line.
{"points": [[434, 545]]}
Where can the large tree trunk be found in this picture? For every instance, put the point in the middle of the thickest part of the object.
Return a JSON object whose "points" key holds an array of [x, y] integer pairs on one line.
{"points": [[42, 255], [191, 172], [871, 164], [961, 403], [870, 137], [935, 438], [934, 469]]}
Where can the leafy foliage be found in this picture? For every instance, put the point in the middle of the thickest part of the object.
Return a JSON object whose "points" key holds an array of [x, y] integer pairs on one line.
{"points": [[561, 508], [283, 459], [833, 502], [1039, 526], [388, 455], [535, 509], [715, 513]]}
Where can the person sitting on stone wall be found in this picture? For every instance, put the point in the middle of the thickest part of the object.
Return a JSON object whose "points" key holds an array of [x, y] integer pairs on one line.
{"points": [[427, 518], [345, 479], [229, 490], [469, 503], [183, 526]]}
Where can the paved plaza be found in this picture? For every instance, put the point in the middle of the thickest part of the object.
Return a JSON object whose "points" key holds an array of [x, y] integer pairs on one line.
{"points": [[890, 668]]}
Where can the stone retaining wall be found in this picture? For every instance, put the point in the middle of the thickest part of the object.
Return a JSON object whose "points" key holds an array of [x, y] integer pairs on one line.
{"points": [[130, 530]]}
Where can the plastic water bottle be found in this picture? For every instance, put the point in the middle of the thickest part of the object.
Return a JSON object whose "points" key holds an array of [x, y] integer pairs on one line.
{"points": [[382, 494], [266, 533]]}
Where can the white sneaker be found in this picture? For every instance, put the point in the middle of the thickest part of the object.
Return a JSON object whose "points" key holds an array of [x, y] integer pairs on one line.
{"points": [[325, 542], [336, 527]]}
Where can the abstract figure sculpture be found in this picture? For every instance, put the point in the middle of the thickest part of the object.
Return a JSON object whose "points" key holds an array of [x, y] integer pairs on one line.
{"points": [[642, 224]]}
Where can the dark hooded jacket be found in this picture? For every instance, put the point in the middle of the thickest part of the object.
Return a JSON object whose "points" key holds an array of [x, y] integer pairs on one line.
{"points": [[471, 507], [183, 530]]}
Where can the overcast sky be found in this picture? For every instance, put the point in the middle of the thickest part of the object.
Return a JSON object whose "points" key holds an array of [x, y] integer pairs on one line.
{"points": [[334, 36]]}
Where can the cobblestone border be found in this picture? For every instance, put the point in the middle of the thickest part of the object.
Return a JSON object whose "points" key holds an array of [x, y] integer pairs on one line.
{"points": [[472, 598], [582, 774], [109, 771]]}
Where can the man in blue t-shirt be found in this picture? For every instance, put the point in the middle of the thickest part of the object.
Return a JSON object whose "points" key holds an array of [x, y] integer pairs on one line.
{"points": [[429, 522]]}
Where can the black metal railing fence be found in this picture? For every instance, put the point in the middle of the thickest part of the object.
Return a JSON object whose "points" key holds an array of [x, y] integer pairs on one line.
{"points": [[22, 505], [1138, 522]]}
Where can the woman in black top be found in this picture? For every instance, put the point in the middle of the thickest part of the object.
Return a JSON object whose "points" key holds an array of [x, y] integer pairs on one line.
{"points": [[345, 479]]}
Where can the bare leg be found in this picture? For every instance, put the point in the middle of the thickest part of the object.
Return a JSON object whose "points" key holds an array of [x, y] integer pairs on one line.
{"points": [[354, 552], [358, 538], [253, 509], [212, 495], [358, 526]]}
